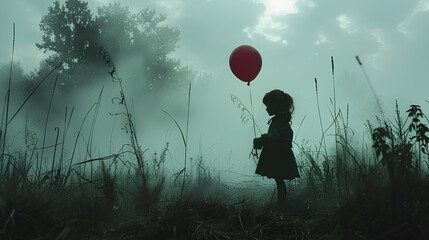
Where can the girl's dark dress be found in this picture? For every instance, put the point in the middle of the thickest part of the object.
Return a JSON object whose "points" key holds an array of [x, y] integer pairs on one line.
{"points": [[277, 159]]}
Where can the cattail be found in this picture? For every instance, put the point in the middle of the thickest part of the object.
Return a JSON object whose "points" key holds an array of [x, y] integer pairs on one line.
{"points": [[358, 60], [371, 87]]}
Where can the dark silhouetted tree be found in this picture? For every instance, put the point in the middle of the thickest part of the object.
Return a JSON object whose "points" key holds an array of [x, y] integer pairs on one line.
{"points": [[74, 36], [68, 32]]}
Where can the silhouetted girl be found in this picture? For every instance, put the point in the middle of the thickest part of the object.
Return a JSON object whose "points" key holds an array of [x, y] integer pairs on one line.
{"points": [[277, 159]]}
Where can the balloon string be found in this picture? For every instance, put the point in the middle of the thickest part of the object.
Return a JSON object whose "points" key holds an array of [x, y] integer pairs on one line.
{"points": [[251, 108], [254, 151]]}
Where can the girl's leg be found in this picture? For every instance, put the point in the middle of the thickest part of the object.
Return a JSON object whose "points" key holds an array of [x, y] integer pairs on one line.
{"points": [[281, 190]]}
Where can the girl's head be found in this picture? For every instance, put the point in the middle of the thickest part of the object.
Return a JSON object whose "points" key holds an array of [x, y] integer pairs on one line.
{"points": [[279, 103]]}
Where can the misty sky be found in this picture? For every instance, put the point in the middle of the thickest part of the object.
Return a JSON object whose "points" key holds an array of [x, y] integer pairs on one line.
{"points": [[296, 39]]}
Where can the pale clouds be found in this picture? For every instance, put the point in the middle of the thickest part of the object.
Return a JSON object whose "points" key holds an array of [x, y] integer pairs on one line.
{"points": [[345, 23], [421, 8], [321, 39], [269, 25], [378, 36]]}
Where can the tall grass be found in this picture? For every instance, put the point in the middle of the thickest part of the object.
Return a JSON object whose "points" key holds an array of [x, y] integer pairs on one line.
{"points": [[7, 103], [182, 172], [352, 193], [371, 87], [47, 118]]}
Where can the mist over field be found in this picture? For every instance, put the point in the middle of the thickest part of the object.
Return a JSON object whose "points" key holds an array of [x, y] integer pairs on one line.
{"points": [[171, 59], [296, 40]]}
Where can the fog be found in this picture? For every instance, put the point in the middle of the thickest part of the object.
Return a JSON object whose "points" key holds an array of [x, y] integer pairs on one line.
{"points": [[296, 40]]}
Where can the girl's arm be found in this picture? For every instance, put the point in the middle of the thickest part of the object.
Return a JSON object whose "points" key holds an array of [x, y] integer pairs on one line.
{"points": [[281, 134], [257, 143]]}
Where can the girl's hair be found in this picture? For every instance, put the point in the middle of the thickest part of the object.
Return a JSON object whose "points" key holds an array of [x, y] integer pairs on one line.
{"points": [[280, 100]]}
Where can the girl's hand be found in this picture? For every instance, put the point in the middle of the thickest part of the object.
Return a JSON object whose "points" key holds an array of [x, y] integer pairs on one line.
{"points": [[257, 143]]}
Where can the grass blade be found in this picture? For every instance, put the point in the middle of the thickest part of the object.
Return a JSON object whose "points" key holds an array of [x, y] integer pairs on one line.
{"points": [[34, 90], [8, 96], [47, 117], [178, 126]]}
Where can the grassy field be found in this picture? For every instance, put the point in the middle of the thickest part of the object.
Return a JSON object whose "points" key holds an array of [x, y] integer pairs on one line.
{"points": [[376, 192]]}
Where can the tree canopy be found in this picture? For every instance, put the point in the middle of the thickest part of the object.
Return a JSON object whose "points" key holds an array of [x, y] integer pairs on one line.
{"points": [[74, 35]]}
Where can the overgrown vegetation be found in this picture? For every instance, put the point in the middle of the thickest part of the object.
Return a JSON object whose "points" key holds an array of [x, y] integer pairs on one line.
{"points": [[129, 196], [378, 191]]}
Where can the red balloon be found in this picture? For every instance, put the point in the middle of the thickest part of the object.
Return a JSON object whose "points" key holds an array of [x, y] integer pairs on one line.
{"points": [[245, 62]]}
